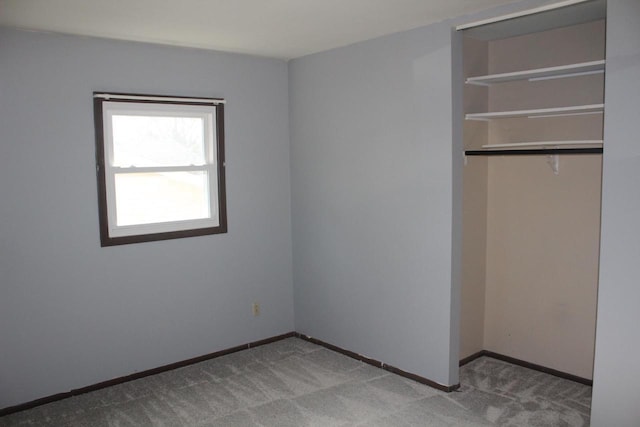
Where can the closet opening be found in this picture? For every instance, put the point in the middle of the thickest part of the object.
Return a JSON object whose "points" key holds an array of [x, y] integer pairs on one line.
{"points": [[529, 100]]}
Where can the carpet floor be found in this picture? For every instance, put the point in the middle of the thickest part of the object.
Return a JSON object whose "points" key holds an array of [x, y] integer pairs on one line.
{"points": [[296, 383]]}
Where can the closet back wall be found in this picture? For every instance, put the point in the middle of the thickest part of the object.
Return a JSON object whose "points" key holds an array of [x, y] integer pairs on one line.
{"points": [[543, 230], [543, 235]]}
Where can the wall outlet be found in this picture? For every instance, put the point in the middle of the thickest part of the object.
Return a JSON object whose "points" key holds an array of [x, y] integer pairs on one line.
{"points": [[256, 309]]}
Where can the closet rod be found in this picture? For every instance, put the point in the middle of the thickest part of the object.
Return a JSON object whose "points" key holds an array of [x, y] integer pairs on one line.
{"points": [[533, 152]]}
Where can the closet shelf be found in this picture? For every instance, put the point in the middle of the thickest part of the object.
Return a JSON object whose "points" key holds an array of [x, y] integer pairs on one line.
{"points": [[534, 151], [540, 112], [590, 143], [571, 70]]}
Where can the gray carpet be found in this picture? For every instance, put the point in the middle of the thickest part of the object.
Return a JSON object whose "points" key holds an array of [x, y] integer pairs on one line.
{"points": [[295, 383]]}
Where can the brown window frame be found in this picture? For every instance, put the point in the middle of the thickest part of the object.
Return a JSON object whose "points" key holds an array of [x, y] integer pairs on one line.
{"points": [[99, 98]]}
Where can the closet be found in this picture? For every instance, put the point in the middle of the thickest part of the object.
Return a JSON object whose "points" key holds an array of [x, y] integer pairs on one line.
{"points": [[533, 101]]}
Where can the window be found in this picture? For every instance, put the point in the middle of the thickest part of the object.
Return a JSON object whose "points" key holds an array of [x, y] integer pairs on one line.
{"points": [[160, 166]]}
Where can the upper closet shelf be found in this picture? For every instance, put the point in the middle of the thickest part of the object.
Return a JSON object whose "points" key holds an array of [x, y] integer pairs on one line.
{"points": [[539, 113], [571, 70]]}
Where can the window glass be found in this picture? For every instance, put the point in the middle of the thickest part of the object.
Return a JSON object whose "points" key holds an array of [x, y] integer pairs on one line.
{"points": [[157, 141], [146, 198]]}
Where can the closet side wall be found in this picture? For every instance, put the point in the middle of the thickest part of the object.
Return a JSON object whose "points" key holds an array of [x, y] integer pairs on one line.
{"points": [[474, 205]]}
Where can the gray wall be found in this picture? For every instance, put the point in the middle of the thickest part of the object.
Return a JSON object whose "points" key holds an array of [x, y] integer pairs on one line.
{"points": [[616, 391], [371, 169], [376, 213], [73, 313], [376, 197], [372, 203]]}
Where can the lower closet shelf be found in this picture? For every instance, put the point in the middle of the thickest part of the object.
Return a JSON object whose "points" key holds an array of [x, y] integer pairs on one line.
{"points": [[533, 151]]}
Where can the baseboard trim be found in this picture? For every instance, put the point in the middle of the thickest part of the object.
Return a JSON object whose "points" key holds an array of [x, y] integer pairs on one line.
{"points": [[138, 375], [379, 364], [120, 380], [526, 364], [473, 357], [360, 357]]}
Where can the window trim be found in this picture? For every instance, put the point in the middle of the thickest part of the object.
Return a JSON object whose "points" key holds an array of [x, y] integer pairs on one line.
{"points": [[102, 155]]}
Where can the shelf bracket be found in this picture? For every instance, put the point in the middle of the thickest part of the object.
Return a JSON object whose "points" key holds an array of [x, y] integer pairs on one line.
{"points": [[553, 160]]}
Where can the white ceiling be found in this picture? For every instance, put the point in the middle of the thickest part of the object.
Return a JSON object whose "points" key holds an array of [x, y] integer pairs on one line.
{"points": [[275, 28]]}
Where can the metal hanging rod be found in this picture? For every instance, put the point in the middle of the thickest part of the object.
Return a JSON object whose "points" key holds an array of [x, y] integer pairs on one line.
{"points": [[533, 152]]}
